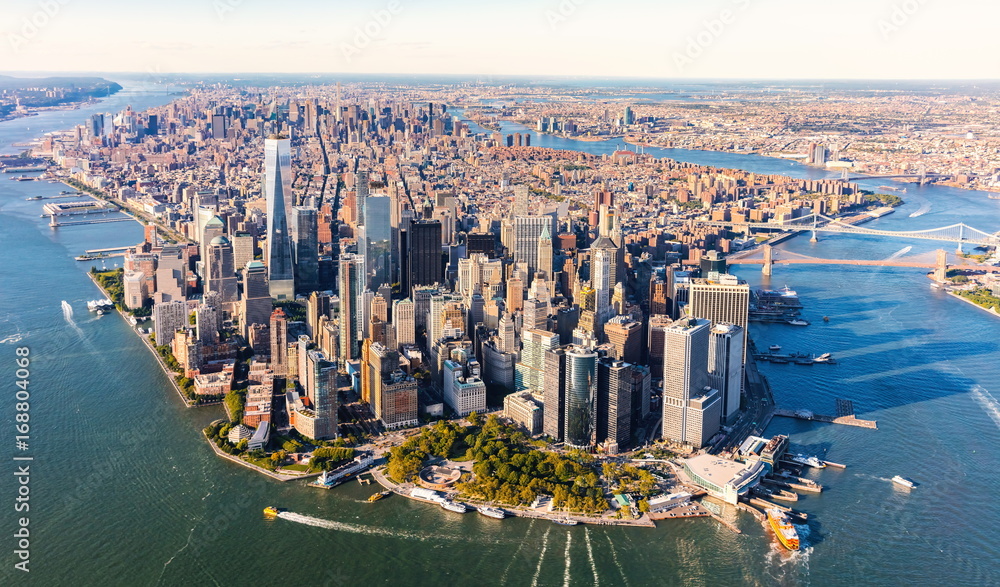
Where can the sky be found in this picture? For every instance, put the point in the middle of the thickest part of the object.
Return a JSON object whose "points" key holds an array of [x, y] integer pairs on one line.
{"points": [[742, 39]]}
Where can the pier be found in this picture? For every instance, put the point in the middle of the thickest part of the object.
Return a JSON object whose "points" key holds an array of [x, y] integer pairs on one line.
{"points": [[845, 415], [55, 224]]}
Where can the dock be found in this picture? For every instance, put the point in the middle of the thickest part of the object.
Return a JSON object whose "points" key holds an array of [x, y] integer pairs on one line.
{"points": [[845, 416], [82, 222]]}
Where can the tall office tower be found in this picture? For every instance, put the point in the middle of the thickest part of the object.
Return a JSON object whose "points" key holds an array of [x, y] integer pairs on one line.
{"points": [[627, 116], [483, 243], [567, 320], [152, 125], [278, 195], [712, 266], [527, 232], [349, 292], [219, 126], [423, 254], [319, 379], [659, 302], [581, 393], [554, 393], [306, 248], [657, 328], [212, 227], [390, 392], [207, 320], [625, 337], [515, 294], [243, 246], [725, 301], [171, 274], [279, 343], [520, 200], [464, 391], [616, 388], [536, 315], [317, 306], [544, 254], [256, 307], [602, 272], [725, 367], [378, 242], [531, 367], [362, 185], [168, 317], [641, 386], [505, 334], [404, 320], [691, 409], [96, 125], [219, 270]]}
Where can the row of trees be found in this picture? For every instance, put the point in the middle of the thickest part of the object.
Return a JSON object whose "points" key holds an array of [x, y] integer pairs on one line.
{"points": [[982, 297]]}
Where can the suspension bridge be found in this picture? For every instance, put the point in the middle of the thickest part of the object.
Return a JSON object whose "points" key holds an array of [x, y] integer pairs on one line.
{"points": [[937, 260], [960, 233]]}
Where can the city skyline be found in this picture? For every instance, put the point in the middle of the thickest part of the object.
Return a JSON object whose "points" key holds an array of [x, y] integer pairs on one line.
{"points": [[735, 39]]}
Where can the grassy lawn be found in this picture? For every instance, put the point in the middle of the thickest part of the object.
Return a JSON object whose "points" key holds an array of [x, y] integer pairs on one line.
{"points": [[297, 467]]}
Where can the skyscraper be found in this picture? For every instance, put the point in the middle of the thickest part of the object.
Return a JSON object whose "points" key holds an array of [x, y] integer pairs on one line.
{"points": [[625, 337], [349, 291], [306, 248], [404, 320], [378, 242], [256, 307], [691, 409], [602, 268], [616, 387], [219, 270], [726, 301], [279, 343], [554, 393], [423, 254], [527, 232], [544, 254], [581, 393], [725, 363], [278, 195]]}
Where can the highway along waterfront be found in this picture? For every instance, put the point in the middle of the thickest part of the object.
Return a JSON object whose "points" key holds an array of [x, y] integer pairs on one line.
{"points": [[120, 459]]}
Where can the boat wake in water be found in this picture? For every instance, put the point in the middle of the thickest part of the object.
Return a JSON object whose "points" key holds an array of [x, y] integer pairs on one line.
{"points": [[989, 403], [357, 529], [899, 253], [67, 310], [925, 207]]}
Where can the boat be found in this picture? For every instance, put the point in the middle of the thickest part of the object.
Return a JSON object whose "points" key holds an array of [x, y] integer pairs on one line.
{"points": [[993, 197], [489, 512], [379, 495], [826, 318], [824, 358], [454, 506], [32, 198], [271, 511], [783, 529], [565, 521], [903, 482], [804, 361], [807, 460], [774, 348], [892, 188], [797, 322]]}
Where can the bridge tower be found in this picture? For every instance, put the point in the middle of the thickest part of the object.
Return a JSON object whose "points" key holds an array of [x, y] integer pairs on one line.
{"points": [[768, 260], [815, 220], [941, 273], [961, 237], [923, 175]]}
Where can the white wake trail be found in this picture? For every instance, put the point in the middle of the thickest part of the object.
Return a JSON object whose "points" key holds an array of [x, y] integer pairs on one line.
{"points": [[899, 253], [541, 557], [569, 542], [67, 311], [590, 555], [989, 403]]}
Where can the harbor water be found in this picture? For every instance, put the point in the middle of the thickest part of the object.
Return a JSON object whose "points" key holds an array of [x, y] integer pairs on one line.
{"points": [[124, 491]]}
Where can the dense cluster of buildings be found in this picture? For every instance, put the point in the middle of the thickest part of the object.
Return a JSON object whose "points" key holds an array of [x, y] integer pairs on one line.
{"points": [[437, 267]]}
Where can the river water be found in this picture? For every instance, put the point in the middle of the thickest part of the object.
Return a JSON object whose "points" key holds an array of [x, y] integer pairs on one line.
{"points": [[124, 491]]}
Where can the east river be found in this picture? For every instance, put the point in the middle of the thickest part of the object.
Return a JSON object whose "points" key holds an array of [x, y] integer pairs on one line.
{"points": [[125, 492]]}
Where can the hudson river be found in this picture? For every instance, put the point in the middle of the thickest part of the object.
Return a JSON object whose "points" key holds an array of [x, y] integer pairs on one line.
{"points": [[124, 491]]}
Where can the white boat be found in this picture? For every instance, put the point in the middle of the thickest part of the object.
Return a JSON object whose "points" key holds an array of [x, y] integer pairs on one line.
{"points": [[797, 322], [489, 512], [774, 348], [454, 506], [808, 461], [824, 358], [904, 482], [99, 305], [565, 521]]}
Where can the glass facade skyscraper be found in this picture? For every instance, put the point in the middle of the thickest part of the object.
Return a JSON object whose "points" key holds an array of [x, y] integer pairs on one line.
{"points": [[378, 241], [581, 392], [278, 194]]}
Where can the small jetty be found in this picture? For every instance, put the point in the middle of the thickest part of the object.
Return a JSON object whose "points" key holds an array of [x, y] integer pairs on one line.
{"points": [[845, 415]]}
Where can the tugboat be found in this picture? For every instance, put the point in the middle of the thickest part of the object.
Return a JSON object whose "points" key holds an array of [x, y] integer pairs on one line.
{"points": [[496, 513], [783, 529], [379, 495], [271, 511]]}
